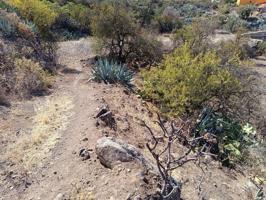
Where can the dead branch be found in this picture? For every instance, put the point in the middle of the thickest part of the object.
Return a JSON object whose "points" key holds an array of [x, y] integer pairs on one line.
{"points": [[162, 153]]}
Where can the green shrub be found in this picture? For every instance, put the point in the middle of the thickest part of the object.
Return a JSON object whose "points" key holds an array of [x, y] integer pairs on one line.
{"points": [[184, 83], [196, 34], [262, 48], [232, 2], [224, 9], [78, 12], [233, 24], [168, 24], [5, 6], [112, 72], [40, 12], [224, 137], [245, 11], [121, 37], [231, 53]]}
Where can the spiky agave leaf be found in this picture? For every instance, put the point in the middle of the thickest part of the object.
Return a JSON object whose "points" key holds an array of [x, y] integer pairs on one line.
{"points": [[111, 72]]}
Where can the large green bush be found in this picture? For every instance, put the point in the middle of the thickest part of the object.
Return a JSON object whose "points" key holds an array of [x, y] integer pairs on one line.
{"points": [[40, 12], [185, 82]]}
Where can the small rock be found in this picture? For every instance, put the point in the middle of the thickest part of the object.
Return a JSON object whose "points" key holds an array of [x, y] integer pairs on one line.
{"points": [[60, 196], [84, 153], [85, 139], [112, 152]]}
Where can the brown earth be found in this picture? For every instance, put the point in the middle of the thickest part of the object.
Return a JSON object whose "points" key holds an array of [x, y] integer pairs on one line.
{"points": [[40, 142]]}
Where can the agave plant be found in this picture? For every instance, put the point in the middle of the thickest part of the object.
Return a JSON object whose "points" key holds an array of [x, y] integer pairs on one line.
{"points": [[111, 72], [6, 28]]}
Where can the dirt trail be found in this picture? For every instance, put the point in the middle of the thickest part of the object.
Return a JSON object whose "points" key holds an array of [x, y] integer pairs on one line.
{"points": [[44, 153], [43, 138], [64, 167], [64, 175], [66, 120]]}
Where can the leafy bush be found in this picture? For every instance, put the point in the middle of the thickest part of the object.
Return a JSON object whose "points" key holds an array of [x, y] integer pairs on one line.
{"points": [[30, 78], [224, 137], [245, 11], [233, 24], [7, 7], [121, 38], [79, 13], [185, 83], [144, 11], [40, 12], [224, 9], [168, 24], [111, 72], [231, 53], [196, 35], [262, 48], [190, 10]]}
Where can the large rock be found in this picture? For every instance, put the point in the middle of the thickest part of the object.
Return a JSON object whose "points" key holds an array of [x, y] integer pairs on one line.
{"points": [[112, 151]]}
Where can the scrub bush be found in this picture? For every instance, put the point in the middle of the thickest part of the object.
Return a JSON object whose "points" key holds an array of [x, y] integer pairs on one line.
{"points": [[184, 83]]}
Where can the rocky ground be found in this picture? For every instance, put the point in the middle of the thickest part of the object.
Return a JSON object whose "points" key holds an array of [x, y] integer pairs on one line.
{"points": [[48, 143]]}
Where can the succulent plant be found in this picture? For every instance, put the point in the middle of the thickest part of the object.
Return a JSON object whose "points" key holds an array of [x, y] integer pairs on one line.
{"points": [[111, 72]]}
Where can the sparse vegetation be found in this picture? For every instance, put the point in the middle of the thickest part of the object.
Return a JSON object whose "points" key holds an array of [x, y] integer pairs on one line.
{"points": [[203, 85]]}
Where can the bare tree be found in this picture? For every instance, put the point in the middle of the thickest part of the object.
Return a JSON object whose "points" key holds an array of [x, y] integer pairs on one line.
{"points": [[161, 149]]}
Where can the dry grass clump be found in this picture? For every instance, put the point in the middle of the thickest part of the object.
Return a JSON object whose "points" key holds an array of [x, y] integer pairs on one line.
{"points": [[50, 120], [79, 193], [19, 76], [30, 77]]}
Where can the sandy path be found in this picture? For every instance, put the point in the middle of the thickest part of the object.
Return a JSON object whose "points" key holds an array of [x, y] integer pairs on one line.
{"points": [[56, 128], [64, 168]]}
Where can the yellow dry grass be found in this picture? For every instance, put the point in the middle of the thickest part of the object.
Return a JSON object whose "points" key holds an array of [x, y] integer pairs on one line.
{"points": [[79, 193], [50, 119]]}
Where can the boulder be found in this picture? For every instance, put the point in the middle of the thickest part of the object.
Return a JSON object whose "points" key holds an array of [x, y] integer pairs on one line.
{"points": [[112, 151]]}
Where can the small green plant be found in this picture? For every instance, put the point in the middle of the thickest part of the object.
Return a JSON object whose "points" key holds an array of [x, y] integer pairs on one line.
{"points": [[224, 137], [245, 11], [234, 24], [168, 24], [262, 48], [111, 72], [5, 6], [6, 28]]}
